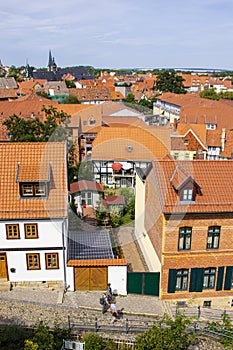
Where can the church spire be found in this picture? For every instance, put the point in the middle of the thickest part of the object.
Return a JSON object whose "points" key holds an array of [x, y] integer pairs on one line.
{"points": [[51, 64]]}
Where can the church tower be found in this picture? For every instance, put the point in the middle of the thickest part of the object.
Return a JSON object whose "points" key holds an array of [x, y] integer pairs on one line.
{"points": [[52, 67]]}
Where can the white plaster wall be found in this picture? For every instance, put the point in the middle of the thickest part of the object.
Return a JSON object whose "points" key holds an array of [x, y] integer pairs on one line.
{"points": [[96, 198], [70, 278], [18, 261], [141, 235], [49, 235], [117, 276]]}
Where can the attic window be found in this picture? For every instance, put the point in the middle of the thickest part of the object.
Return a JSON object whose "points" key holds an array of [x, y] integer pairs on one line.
{"points": [[187, 195], [186, 142], [129, 148], [36, 189], [92, 121]]}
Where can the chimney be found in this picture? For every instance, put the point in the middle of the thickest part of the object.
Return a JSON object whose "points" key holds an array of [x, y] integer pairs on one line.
{"points": [[223, 138], [175, 124]]}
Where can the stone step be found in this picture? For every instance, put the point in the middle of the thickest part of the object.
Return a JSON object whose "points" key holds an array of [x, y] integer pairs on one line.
{"points": [[4, 285]]}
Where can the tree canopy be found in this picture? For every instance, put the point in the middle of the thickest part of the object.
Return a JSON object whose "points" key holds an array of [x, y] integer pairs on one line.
{"points": [[169, 81], [171, 336], [210, 94], [71, 99], [54, 127]]}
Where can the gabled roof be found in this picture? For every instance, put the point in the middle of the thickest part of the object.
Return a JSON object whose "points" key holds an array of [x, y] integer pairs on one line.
{"points": [[114, 200], [36, 158], [8, 83], [214, 178], [180, 177], [33, 173], [196, 134], [77, 72], [208, 112], [85, 185], [130, 143], [121, 121]]}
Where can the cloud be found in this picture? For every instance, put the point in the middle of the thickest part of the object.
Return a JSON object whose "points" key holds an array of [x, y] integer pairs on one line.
{"points": [[104, 33]]}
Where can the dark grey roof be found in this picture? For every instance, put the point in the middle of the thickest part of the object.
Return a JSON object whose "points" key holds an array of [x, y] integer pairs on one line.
{"points": [[78, 72], [89, 245]]}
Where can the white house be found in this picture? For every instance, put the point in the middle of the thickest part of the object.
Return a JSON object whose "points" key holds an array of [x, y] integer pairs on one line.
{"points": [[33, 214]]}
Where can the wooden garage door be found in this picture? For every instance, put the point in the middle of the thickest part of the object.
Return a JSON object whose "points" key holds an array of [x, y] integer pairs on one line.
{"points": [[3, 268], [90, 278]]}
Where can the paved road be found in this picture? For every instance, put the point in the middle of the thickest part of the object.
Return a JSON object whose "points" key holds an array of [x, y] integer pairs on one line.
{"points": [[132, 304]]}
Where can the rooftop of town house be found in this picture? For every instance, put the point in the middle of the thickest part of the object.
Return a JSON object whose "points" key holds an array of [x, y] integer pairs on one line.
{"points": [[114, 200], [85, 185], [118, 121], [213, 177], [180, 100], [130, 143], [198, 133], [208, 112], [33, 162]]}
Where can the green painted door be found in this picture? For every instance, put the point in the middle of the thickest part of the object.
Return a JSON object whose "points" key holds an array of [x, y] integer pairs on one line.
{"points": [[146, 283]]}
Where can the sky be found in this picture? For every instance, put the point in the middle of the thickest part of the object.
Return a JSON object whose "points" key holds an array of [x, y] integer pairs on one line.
{"points": [[118, 33]]}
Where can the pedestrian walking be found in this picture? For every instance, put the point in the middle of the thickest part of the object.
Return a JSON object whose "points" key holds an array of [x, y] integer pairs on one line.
{"points": [[113, 311], [104, 301], [109, 289]]}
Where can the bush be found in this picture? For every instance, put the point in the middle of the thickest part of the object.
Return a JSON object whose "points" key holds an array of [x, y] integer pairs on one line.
{"points": [[93, 341], [171, 336]]}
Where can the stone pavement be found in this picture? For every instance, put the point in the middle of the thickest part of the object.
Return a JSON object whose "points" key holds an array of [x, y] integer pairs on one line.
{"points": [[86, 300]]}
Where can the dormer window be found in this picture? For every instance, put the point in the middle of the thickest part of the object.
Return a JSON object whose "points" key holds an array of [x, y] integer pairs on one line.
{"points": [[36, 189], [92, 121], [185, 186], [187, 194]]}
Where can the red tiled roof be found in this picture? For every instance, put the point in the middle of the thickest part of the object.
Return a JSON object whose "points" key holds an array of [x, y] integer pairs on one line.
{"points": [[115, 200], [85, 185], [102, 262], [37, 157], [214, 178], [132, 143]]}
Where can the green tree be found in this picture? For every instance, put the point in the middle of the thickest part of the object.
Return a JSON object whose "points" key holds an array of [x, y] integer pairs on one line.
{"points": [[166, 335], [71, 99], [54, 128], [226, 94], [12, 336], [15, 73], [93, 341], [130, 98], [43, 94], [218, 326], [46, 338], [21, 130], [169, 81], [70, 84], [29, 345], [210, 94]]}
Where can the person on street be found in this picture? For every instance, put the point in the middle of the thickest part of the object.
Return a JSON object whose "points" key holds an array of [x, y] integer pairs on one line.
{"points": [[113, 311]]}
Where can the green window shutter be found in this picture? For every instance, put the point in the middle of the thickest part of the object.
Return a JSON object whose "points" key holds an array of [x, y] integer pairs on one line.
{"points": [[228, 278], [220, 278], [193, 278], [199, 283], [171, 281], [196, 280]]}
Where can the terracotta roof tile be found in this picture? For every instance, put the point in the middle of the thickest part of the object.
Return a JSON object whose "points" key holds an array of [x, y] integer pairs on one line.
{"points": [[36, 157], [85, 185], [213, 177], [131, 143], [103, 262]]}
